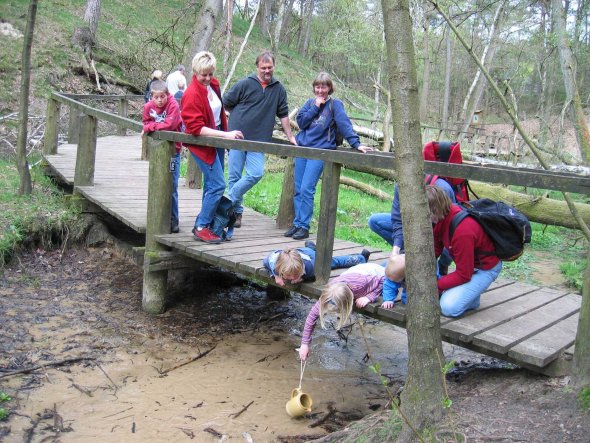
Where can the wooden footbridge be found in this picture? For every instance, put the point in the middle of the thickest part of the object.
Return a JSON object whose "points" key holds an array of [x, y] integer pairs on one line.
{"points": [[531, 326]]}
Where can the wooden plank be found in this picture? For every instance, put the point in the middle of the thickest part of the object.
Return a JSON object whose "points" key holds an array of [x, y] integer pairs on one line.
{"points": [[478, 321], [543, 348], [503, 337]]}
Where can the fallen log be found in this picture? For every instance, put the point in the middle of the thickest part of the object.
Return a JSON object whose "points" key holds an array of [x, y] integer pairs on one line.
{"points": [[367, 189]]}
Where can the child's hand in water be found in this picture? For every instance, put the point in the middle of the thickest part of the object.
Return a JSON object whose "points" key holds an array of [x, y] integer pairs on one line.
{"points": [[362, 302], [279, 281], [303, 352]]}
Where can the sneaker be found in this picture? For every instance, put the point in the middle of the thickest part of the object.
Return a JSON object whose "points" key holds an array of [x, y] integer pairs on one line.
{"points": [[174, 228], [238, 222], [310, 244], [205, 235], [366, 253], [292, 230], [300, 234]]}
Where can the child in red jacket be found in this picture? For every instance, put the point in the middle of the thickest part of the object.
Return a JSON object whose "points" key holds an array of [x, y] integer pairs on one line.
{"points": [[161, 113]]}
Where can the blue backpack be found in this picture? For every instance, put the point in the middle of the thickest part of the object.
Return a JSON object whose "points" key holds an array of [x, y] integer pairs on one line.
{"points": [[223, 219]]}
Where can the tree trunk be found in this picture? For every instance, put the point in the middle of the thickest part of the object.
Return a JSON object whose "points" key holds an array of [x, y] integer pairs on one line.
{"points": [[276, 39], [229, 15], [201, 40], [263, 18], [308, 21], [581, 366], [568, 69], [92, 15], [478, 83], [447, 93], [425, 93], [287, 21], [301, 28], [22, 163], [423, 395]]}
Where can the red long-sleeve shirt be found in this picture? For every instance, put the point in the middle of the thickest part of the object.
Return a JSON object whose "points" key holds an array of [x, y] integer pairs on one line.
{"points": [[469, 239], [166, 118], [196, 114]]}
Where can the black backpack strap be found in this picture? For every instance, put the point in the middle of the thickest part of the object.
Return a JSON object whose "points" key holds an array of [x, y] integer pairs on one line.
{"points": [[458, 218], [444, 151], [471, 189]]}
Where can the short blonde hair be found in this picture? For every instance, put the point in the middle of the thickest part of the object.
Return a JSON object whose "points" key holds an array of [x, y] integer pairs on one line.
{"points": [[203, 61], [289, 262], [438, 201], [323, 78], [337, 298], [157, 75], [396, 268]]}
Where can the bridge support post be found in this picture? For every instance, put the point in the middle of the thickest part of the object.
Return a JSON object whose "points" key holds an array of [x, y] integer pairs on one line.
{"points": [[123, 111], [74, 125], [194, 178], [86, 153], [51, 127], [286, 210], [327, 221], [158, 222]]}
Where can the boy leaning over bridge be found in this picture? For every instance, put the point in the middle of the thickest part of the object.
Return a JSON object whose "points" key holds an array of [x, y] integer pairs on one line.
{"points": [[161, 113]]}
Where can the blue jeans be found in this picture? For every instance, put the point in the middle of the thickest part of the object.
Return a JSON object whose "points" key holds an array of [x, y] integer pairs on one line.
{"points": [[340, 261], [306, 176], [221, 157], [381, 225], [213, 187], [175, 175], [455, 301], [238, 185]]}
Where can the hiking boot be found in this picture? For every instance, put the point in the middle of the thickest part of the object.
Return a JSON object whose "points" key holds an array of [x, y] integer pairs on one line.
{"points": [[366, 253], [300, 234], [238, 222], [174, 228], [292, 230], [205, 235], [310, 244]]}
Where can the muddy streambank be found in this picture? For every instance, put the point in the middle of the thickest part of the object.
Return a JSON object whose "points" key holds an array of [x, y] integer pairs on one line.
{"points": [[220, 364]]}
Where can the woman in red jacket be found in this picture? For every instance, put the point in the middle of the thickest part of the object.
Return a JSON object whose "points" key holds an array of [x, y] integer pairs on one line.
{"points": [[203, 114], [477, 265]]}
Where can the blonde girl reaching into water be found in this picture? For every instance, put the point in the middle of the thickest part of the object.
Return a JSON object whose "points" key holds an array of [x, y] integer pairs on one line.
{"points": [[358, 286]]}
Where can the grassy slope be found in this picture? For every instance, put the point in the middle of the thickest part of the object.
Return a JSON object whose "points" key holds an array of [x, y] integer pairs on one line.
{"points": [[123, 32]]}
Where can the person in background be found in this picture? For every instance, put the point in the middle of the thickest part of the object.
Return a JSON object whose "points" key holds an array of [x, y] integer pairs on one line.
{"points": [[472, 250], [318, 119], [173, 79], [357, 286], [253, 103], [203, 114], [156, 75], [161, 113], [180, 92], [297, 265]]}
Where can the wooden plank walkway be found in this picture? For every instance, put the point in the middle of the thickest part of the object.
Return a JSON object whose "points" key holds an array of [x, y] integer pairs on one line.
{"points": [[521, 323]]}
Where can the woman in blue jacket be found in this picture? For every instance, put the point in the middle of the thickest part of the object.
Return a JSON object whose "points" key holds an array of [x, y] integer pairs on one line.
{"points": [[318, 119]]}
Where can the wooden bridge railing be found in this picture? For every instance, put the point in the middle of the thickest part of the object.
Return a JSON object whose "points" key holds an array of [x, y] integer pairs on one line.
{"points": [[161, 148]]}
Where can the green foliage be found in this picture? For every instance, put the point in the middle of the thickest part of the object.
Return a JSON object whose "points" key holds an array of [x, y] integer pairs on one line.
{"points": [[4, 414], [36, 215], [574, 273], [584, 398], [4, 397]]}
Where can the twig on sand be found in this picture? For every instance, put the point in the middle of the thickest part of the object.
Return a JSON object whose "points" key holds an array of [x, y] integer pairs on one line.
{"points": [[202, 354], [107, 376], [213, 432], [321, 421], [188, 432], [44, 365], [237, 414]]}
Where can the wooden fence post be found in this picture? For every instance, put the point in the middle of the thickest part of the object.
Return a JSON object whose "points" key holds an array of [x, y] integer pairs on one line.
{"points": [[86, 153], [144, 147], [123, 111], [74, 126], [327, 221], [286, 210], [194, 177], [51, 127], [158, 222]]}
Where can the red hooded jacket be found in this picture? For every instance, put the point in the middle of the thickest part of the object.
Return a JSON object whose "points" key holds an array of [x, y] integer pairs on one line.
{"points": [[196, 114], [166, 118]]}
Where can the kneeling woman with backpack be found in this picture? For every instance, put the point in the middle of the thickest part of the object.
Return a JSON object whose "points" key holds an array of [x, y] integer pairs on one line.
{"points": [[473, 252]]}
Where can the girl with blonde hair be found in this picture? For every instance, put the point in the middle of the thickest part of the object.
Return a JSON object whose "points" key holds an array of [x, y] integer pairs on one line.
{"points": [[358, 286]]}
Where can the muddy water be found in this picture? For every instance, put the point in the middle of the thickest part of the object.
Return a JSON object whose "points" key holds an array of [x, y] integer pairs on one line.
{"points": [[236, 392]]}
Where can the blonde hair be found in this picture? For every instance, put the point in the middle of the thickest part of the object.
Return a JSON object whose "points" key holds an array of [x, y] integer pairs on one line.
{"points": [[396, 268], [203, 61], [157, 75], [438, 201], [337, 298], [289, 262], [181, 83]]}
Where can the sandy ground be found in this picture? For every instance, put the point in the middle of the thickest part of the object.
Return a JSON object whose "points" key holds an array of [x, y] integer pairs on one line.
{"points": [[220, 364]]}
